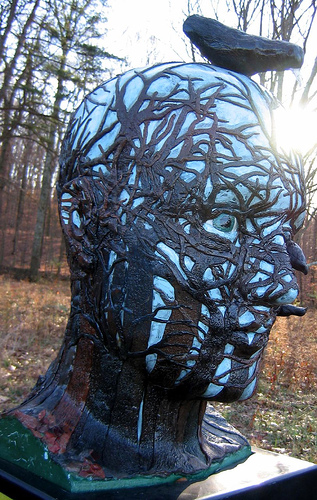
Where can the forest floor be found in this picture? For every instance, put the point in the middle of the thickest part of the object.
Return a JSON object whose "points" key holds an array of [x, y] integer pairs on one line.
{"points": [[281, 417]]}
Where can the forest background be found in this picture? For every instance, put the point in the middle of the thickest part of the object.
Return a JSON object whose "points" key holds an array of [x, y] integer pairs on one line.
{"points": [[52, 52]]}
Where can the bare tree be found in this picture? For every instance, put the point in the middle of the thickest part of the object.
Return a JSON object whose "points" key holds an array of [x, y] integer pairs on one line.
{"points": [[72, 28], [48, 58]]}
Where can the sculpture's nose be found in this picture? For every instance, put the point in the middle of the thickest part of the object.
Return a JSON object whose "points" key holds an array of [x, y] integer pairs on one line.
{"points": [[270, 276], [297, 257]]}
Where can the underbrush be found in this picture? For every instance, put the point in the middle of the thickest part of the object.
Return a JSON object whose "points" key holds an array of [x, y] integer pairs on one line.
{"points": [[281, 417], [33, 317]]}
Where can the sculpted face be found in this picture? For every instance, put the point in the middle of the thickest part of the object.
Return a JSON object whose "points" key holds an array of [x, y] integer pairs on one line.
{"points": [[177, 202], [228, 249]]}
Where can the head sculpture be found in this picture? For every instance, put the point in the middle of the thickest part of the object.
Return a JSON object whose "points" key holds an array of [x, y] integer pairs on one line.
{"points": [[178, 209], [173, 189]]}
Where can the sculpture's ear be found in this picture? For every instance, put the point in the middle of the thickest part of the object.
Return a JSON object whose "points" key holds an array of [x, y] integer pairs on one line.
{"points": [[79, 215]]}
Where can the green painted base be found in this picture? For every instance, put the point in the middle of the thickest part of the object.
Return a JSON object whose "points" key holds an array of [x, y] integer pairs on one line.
{"points": [[20, 447]]}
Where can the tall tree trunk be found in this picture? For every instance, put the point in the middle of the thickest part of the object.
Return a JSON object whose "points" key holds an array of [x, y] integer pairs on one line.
{"points": [[7, 90], [41, 211], [47, 175], [20, 209], [5, 156]]}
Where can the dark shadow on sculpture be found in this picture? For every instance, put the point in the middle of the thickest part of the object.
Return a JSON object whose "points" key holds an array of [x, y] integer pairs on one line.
{"points": [[178, 209]]}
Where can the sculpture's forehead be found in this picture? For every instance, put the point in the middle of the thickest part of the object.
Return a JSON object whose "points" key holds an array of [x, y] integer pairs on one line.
{"points": [[167, 101], [259, 186], [199, 128]]}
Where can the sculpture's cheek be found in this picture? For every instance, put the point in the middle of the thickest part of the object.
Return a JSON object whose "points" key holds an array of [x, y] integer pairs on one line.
{"points": [[268, 276], [242, 388], [275, 291], [210, 352]]}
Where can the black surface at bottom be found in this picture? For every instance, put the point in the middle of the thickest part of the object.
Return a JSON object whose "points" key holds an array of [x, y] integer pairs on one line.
{"points": [[298, 484]]}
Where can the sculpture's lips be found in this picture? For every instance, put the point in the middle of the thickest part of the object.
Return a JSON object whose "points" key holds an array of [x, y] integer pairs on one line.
{"points": [[290, 310]]}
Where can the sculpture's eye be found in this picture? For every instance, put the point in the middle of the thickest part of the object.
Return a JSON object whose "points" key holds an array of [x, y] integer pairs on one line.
{"points": [[224, 223]]}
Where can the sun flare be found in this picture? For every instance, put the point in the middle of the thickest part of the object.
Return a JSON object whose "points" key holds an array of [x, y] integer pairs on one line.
{"points": [[295, 129]]}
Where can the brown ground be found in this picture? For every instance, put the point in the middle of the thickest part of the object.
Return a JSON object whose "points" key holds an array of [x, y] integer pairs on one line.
{"points": [[281, 417]]}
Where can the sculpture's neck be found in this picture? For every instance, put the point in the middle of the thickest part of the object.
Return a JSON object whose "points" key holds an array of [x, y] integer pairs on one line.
{"points": [[155, 433], [95, 403]]}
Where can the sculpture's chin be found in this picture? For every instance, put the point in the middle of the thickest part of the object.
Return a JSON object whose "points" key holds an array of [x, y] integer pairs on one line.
{"points": [[229, 394], [233, 390], [235, 379]]}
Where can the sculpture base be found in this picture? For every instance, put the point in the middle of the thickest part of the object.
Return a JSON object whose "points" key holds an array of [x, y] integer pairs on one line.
{"points": [[26, 457], [264, 475]]}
